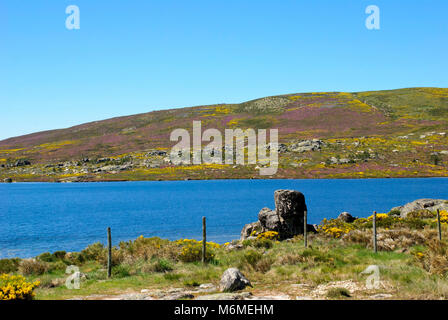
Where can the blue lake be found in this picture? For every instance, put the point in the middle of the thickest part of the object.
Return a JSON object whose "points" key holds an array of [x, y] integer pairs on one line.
{"points": [[41, 217]]}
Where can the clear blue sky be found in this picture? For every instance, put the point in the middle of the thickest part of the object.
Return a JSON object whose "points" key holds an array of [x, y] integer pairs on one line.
{"points": [[137, 56]]}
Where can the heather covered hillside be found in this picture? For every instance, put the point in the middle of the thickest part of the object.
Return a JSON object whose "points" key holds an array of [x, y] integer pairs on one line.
{"points": [[396, 133]]}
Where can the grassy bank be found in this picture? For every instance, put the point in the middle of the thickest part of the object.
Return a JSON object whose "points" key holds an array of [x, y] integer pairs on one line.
{"points": [[413, 264]]}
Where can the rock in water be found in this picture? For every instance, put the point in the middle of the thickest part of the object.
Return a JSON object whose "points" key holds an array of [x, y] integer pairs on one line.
{"points": [[421, 204], [233, 280], [346, 217]]}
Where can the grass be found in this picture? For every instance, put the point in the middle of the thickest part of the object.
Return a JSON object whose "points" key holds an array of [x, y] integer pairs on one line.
{"points": [[408, 269]]}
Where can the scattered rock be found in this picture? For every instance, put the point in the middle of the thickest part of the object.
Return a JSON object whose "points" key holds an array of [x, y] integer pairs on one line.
{"points": [[381, 296], [226, 296], [428, 204], [346, 217], [22, 163], [156, 153], [306, 145], [233, 280]]}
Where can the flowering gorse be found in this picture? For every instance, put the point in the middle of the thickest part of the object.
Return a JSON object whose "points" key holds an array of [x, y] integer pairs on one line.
{"points": [[16, 287]]}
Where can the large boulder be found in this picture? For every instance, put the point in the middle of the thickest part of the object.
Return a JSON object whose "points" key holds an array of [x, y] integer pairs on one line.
{"points": [[7, 180], [287, 219], [421, 204], [290, 207], [269, 220], [233, 280], [346, 217]]}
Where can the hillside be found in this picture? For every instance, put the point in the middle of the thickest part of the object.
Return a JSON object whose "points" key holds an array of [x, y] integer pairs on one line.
{"points": [[394, 133]]}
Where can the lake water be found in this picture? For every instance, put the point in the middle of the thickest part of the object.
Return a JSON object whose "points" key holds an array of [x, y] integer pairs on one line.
{"points": [[41, 217]]}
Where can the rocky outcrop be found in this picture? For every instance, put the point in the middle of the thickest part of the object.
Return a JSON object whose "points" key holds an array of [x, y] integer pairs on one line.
{"points": [[306, 145], [287, 219], [233, 280], [421, 204], [249, 229], [22, 163], [346, 217]]}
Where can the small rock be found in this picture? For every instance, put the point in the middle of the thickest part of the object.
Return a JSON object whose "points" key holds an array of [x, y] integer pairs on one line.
{"points": [[346, 217], [226, 296], [233, 280], [381, 296]]}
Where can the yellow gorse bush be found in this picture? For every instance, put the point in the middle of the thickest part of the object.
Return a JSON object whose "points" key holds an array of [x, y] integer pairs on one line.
{"points": [[16, 287], [335, 228], [444, 216], [268, 235], [379, 216]]}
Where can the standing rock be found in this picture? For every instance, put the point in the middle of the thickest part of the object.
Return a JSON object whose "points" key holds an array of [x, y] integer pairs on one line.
{"points": [[290, 207], [287, 219], [346, 217], [233, 280]]}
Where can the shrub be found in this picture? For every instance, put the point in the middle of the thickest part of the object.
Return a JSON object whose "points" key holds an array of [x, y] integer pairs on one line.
{"points": [[46, 257], [94, 252], [121, 271], [148, 249], [435, 258], [9, 265], [251, 257], [16, 288], [414, 223], [161, 265], [421, 214], [335, 227], [192, 250], [268, 235], [32, 267], [395, 212], [59, 254], [263, 243]]}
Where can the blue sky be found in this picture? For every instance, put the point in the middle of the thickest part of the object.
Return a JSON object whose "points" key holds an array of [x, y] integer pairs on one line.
{"points": [[136, 56]]}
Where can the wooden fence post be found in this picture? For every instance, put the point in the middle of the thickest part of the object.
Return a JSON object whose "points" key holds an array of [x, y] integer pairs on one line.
{"points": [[204, 240], [109, 253], [305, 231], [439, 225], [375, 248]]}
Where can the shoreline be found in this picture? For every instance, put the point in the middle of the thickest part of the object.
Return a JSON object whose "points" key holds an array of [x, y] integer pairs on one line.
{"points": [[232, 179]]}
